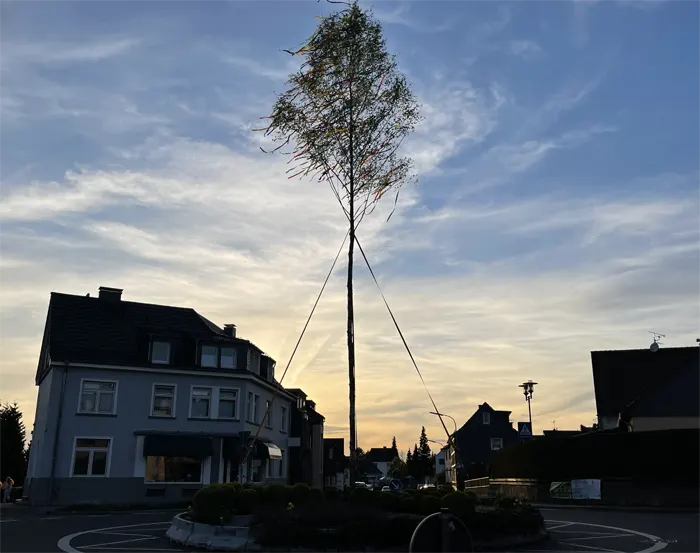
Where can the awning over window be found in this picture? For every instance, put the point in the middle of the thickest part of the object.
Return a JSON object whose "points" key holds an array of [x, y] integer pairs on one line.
{"points": [[233, 448], [273, 451], [197, 447]]}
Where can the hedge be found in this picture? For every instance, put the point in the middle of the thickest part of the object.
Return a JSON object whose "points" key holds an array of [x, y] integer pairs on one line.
{"points": [[300, 516]]}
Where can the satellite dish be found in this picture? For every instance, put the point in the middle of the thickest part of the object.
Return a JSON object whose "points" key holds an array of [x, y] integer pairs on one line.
{"points": [[654, 347]]}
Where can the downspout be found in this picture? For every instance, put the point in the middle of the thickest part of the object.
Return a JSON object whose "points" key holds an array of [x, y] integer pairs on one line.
{"points": [[52, 479]]}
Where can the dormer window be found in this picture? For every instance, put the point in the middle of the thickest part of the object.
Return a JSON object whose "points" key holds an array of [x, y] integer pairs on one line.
{"points": [[160, 352], [210, 356], [223, 357]]}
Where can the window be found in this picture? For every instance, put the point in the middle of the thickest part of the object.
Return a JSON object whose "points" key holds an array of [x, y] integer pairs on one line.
{"points": [[496, 444], [253, 400], [91, 456], [173, 469], [283, 422], [200, 407], [330, 453], [486, 417], [268, 413], [160, 353], [163, 400], [228, 403], [228, 358], [253, 361], [210, 356], [98, 397], [280, 465]]}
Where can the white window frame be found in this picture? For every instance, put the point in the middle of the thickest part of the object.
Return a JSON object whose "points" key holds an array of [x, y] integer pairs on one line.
{"points": [[167, 362], [486, 417], [91, 450], [284, 418], [211, 402], [496, 441], [153, 399], [97, 399], [218, 400]]}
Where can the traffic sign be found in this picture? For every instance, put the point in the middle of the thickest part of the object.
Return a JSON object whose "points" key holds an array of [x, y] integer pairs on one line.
{"points": [[524, 430], [395, 485]]}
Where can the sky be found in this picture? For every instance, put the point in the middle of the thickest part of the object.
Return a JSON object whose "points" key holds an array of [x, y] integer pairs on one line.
{"points": [[556, 208]]}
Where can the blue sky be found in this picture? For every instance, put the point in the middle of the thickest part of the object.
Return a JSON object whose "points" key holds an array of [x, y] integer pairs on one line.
{"points": [[556, 209]]}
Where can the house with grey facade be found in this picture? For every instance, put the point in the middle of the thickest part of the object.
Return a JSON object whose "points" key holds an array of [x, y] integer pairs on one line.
{"points": [[141, 403]]}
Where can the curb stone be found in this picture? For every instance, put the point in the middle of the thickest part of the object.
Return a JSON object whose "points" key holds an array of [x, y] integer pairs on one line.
{"points": [[236, 538]]}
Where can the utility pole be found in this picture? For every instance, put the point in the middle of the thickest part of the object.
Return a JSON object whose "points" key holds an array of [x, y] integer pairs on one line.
{"points": [[528, 388]]}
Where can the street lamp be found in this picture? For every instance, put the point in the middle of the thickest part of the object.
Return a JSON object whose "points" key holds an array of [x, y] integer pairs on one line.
{"points": [[528, 388], [437, 442], [444, 415]]}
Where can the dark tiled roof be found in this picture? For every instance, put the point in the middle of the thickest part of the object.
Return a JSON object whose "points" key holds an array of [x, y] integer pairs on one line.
{"points": [[83, 329], [677, 397], [623, 377], [367, 468], [381, 454]]}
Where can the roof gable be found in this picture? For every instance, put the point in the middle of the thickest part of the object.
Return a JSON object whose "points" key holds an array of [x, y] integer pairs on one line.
{"points": [[381, 454]]}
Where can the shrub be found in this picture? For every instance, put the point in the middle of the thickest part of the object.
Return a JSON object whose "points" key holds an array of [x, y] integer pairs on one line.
{"points": [[214, 504], [316, 496], [361, 495], [273, 494], [458, 503], [246, 501], [299, 493], [409, 505], [331, 493], [430, 504], [506, 503]]}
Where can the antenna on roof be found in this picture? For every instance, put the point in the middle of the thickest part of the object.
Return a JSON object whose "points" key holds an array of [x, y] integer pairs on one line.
{"points": [[654, 347]]}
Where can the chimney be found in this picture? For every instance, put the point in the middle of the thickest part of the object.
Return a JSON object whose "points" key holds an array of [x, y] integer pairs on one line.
{"points": [[110, 294], [230, 330]]}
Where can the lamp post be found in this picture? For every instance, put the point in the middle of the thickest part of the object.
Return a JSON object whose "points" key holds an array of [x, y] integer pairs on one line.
{"points": [[444, 415], [528, 388]]}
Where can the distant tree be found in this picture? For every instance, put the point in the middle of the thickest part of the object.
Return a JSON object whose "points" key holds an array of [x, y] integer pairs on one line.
{"points": [[12, 449], [425, 467], [393, 445], [359, 453], [398, 467]]}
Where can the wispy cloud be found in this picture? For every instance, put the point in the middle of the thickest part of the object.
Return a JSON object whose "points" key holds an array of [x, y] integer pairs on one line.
{"points": [[526, 49], [45, 53], [399, 15]]}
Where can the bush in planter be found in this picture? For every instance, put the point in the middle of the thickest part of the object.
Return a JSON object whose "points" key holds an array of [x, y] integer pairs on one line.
{"points": [[331, 493], [507, 503], [246, 501], [273, 494], [316, 496], [362, 496], [215, 503], [459, 503], [430, 504], [298, 494]]}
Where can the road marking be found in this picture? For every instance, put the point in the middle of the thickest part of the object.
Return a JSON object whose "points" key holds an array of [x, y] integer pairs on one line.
{"points": [[602, 534], [601, 537], [561, 526], [658, 545], [9, 520], [99, 545], [593, 548], [64, 543], [126, 534]]}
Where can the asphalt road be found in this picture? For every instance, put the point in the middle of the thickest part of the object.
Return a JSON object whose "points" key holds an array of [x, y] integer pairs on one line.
{"points": [[581, 530]]}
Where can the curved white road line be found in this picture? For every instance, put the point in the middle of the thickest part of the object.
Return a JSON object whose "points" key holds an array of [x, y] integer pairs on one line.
{"points": [[659, 544], [64, 543]]}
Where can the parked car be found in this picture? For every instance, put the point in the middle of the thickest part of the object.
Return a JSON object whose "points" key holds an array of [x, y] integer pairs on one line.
{"points": [[426, 486], [386, 489]]}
